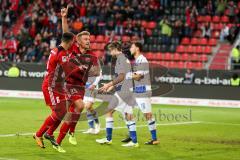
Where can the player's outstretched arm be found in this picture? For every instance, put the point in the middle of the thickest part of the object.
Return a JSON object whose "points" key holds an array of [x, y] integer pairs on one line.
{"points": [[105, 87], [64, 13]]}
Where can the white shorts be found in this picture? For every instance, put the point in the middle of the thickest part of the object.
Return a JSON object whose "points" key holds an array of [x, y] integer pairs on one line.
{"points": [[89, 96], [122, 106], [144, 104], [88, 99]]}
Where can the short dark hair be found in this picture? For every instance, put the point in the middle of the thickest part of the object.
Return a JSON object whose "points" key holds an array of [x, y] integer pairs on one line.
{"points": [[115, 45], [138, 45], [67, 37]]}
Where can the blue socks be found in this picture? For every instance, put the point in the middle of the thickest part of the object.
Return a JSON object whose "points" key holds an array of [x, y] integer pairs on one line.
{"points": [[109, 128], [132, 130], [152, 129]]}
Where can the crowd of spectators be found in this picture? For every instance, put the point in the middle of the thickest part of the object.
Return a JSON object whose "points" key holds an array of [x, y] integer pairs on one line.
{"points": [[42, 24]]}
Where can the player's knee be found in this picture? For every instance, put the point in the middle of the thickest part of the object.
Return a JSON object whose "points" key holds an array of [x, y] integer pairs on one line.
{"points": [[148, 116], [128, 116]]}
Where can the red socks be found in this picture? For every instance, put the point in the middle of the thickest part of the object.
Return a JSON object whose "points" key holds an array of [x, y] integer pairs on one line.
{"points": [[63, 131], [49, 121]]}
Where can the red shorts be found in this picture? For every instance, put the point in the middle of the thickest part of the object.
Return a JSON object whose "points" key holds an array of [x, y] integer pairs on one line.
{"points": [[75, 92], [52, 98]]}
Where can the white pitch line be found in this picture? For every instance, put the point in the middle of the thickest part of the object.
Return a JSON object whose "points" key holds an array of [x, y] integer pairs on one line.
{"points": [[2, 158], [82, 130], [221, 123]]}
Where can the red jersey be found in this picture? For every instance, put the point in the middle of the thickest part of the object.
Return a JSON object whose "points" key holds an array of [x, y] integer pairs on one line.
{"points": [[79, 77], [56, 61]]}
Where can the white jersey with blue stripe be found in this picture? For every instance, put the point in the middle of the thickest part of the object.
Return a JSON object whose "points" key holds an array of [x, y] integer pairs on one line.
{"points": [[143, 86]]}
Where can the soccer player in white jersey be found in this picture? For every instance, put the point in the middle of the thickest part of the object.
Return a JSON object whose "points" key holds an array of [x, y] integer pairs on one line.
{"points": [[89, 99], [123, 98], [142, 88]]}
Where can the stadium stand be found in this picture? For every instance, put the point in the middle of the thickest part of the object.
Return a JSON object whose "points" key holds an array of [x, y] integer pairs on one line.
{"points": [[176, 33]]}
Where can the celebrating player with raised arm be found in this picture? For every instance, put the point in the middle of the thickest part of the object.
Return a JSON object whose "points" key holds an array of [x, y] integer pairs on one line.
{"points": [[53, 89], [75, 83], [122, 100]]}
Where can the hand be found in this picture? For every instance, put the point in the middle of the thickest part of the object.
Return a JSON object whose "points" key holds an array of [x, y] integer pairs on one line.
{"points": [[64, 11], [105, 87], [92, 87], [83, 67], [137, 77]]}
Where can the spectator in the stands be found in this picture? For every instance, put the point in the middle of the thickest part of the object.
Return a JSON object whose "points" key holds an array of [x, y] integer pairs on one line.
{"points": [[221, 5], [231, 8], [189, 77], [236, 57], [77, 25], [224, 33], [235, 80], [206, 30], [191, 14], [166, 30], [110, 28], [7, 19]]}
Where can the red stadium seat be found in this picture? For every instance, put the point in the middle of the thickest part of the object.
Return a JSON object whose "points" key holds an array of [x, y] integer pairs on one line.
{"points": [[106, 39], [126, 38], [102, 46], [100, 38], [194, 57], [172, 64], [203, 58], [212, 42], [207, 50], [190, 49], [185, 57], [168, 56], [1, 45], [198, 33], [125, 24], [180, 49], [99, 53], [117, 38], [216, 19], [150, 56], [207, 19], [159, 56], [185, 41], [180, 64], [151, 25], [149, 32], [176, 57], [225, 19], [92, 38], [94, 46], [198, 65], [144, 24], [226, 12], [200, 18], [199, 49], [194, 41], [203, 41], [190, 65]]}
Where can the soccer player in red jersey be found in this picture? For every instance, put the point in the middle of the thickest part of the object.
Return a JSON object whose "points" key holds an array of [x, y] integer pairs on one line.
{"points": [[75, 83], [52, 87]]}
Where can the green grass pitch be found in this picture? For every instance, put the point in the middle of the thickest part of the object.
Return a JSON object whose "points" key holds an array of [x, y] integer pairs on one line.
{"points": [[199, 133]]}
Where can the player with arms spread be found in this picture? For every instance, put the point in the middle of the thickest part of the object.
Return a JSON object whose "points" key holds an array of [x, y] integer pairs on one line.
{"points": [[122, 100]]}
